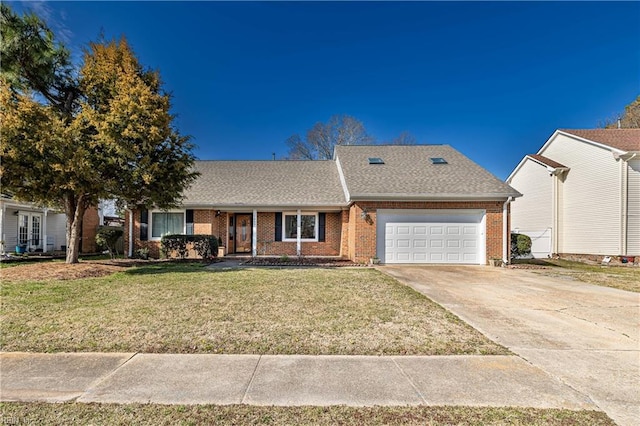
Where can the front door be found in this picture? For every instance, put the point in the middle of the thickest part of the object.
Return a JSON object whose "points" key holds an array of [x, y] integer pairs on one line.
{"points": [[243, 233]]}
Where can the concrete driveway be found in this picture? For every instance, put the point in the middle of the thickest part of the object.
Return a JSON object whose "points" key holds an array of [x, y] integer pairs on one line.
{"points": [[587, 336]]}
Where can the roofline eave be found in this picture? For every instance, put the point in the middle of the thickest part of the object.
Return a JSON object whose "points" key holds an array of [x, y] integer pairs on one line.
{"points": [[264, 207], [435, 197]]}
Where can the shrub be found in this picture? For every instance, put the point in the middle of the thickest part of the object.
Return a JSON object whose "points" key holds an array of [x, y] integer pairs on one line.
{"points": [[206, 246], [520, 244], [107, 238], [142, 253]]}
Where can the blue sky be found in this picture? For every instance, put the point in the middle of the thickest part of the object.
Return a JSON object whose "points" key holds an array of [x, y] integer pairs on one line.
{"points": [[491, 79]]}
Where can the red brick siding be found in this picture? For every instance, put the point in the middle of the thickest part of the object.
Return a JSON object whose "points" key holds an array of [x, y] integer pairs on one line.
{"points": [[344, 233], [90, 223], [267, 245], [347, 233], [205, 222]]}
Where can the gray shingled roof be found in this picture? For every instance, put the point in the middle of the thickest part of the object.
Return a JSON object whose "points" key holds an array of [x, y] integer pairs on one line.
{"points": [[623, 139], [266, 183], [407, 173]]}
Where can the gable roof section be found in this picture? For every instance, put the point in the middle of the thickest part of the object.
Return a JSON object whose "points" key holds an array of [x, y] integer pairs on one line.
{"points": [[408, 174], [621, 139], [266, 184], [547, 161]]}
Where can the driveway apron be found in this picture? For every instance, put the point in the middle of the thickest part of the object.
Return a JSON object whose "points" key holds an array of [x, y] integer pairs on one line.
{"points": [[586, 335]]}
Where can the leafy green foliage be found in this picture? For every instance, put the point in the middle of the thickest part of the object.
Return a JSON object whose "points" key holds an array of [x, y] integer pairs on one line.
{"points": [[142, 253], [205, 246], [107, 238], [520, 244], [74, 135]]}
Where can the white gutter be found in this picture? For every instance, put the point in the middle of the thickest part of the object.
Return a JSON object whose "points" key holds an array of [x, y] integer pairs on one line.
{"points": [[130, 233], [434, 197], [505, 231]]}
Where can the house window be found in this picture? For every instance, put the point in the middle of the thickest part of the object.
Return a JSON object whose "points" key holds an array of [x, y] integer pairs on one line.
{"points": [[308, 227], [164, 223], [23, 229]]}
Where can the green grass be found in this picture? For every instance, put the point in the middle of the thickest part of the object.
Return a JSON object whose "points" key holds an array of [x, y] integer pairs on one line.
{"points": [[186, 308], [620, 277], [152, 414]]}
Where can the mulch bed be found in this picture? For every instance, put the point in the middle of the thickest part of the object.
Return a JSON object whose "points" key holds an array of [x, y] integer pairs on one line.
{"points": [[527, 266], [300, 261], [58, 271]]}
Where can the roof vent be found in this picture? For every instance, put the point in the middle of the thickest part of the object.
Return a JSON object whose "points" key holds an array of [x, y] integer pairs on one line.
{"points": [[438, 160], [375, 160]]}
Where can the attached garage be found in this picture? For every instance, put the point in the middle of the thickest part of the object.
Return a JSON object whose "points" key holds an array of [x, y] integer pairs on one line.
{"points": [[431, 236]]}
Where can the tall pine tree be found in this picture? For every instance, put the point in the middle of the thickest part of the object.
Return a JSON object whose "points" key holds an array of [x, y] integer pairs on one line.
{"points": [[71, 137]]}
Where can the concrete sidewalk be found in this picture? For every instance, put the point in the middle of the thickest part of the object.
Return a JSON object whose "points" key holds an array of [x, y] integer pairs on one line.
{"points": [[283, 380]]}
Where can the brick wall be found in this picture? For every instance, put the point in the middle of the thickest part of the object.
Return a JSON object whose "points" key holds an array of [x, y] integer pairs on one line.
{"points": [[362, 232], [268, 246], [90, 223], [347, 233], [206, 222]]}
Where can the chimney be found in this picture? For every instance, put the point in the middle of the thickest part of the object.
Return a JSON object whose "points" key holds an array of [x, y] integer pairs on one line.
{"points": [[274, 154], [619, 123]]}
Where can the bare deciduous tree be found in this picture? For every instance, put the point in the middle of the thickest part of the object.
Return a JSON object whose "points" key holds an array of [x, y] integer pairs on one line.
{"points": [[629, 120], [404, 138], [323, 137]]}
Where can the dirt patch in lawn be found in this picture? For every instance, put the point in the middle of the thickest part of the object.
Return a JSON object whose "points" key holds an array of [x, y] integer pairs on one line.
{"points": [[59, 271]]}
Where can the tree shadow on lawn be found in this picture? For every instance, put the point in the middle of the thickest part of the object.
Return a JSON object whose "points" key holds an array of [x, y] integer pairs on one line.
{"points": [[168, 267]]}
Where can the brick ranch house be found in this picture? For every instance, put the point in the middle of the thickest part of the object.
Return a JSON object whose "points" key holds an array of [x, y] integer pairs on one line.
{"points": [[402, 204]]}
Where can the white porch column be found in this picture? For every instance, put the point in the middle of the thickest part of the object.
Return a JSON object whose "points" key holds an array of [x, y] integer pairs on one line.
{"points": [[44, 230], [254, 234], [130, 250], [298, 236]]}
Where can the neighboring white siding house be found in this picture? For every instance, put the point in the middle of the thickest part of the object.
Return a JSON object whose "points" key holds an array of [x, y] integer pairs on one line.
{"points": [[29, 226], [581, 193], [534, 215]]}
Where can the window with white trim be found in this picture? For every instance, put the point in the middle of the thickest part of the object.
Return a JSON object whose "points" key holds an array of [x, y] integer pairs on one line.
{"points": [[164, 223], [308, 227]]}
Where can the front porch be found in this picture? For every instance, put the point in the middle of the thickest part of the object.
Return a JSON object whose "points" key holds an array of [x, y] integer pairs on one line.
{"points": [[26, 229], [254, 233]]}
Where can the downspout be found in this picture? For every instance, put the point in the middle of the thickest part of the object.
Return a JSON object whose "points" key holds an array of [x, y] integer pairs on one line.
{"points": [[505, 231], [554, 216], [624, 202], [623, 208], [130, 233]]}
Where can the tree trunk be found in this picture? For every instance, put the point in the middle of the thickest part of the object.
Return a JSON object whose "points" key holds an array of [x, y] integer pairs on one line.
{"points": [[74, 210]]}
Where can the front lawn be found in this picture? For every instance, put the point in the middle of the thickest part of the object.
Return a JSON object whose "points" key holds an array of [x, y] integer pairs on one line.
{"points": [[187, 308], [154, 414], [620, 277]]}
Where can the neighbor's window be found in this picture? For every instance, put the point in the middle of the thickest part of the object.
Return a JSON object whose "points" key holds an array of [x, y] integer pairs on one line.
{"points": [[166, 223], [308, 226]]}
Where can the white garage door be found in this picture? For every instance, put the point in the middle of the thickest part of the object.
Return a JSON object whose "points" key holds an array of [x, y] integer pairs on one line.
{"points": [[420, 237]]}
